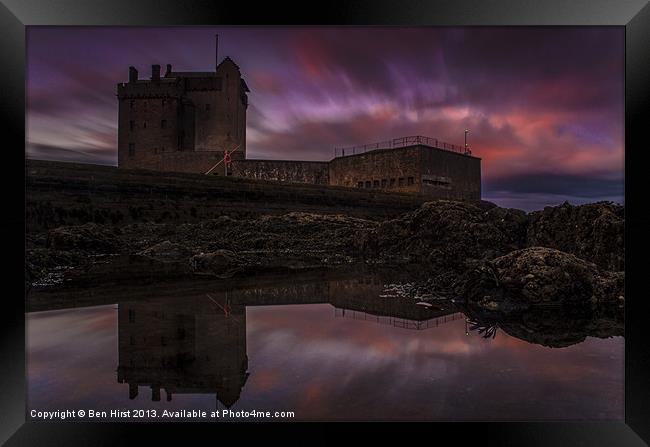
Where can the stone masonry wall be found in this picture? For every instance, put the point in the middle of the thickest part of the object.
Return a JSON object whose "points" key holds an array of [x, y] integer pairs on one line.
{"points": [[315, 172], [436, 173], [449, 175], [385, 169], [60, 193]]}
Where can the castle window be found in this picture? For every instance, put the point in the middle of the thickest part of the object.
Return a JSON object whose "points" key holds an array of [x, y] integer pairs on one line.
{"points": [[368, 184], [131, 316], [409, 181], [375, 184], [131, 149], [207, 107], [164, 103], [144, 124], [384, 182], [437, 182], [360, 185], [131, 125], [132, 104], [163, 124], [392, 182], [401, 181]]}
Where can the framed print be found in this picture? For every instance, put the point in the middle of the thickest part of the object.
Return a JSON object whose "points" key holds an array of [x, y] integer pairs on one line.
{"points": [[366, 212]]}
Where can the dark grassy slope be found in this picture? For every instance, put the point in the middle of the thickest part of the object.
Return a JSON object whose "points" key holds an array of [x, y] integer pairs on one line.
{"points": [[60, 194]]}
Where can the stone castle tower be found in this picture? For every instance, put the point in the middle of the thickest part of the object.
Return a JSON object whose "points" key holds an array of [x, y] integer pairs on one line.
{"points": [[182, 120]]}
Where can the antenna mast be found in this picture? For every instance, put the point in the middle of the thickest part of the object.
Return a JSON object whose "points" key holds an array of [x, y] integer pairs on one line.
{"points": [[216, 51]]}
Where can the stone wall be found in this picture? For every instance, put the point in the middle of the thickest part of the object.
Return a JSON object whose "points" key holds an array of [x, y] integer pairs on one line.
{"points": [[434, 172], [60, 193], [314, 172], [149, 127], [384, 169], [449, 175]]}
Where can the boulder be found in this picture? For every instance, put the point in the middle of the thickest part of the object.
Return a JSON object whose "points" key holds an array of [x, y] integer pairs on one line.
{"points": [[593, 232], [539, 276], [448, 234], [89, 237], [167, 251], [219, 263]]}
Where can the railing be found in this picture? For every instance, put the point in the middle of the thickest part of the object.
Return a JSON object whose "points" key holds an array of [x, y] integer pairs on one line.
{"points": [[403, 323], [400, 142]]}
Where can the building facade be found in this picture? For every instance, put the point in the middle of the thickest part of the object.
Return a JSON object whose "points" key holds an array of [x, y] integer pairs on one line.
{"points": [[182, 121], [417, 168]]}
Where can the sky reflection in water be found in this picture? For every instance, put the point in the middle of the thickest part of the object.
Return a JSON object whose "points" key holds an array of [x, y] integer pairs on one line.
{"points": [[322, 364]]}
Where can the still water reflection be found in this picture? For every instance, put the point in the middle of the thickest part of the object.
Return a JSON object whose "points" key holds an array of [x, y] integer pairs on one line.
{"points": [[323, 348]]}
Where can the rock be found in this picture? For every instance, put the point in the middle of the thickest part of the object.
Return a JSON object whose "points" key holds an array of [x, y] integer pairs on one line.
{"points": [[41, 263], [89, 237], [167, 251], [220, 263], [332, 235], [539, 276], [449, 242], [593, 232], [449, 234]]}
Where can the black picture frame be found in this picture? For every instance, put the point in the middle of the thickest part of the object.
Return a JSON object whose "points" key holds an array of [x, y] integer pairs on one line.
{"points": [[634, 15]]}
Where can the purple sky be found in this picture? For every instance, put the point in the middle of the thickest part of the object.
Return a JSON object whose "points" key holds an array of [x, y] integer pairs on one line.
{"points": [[544, 105]]}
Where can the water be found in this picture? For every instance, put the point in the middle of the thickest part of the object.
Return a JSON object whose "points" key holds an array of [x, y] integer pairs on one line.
{"points": [[324, 348]]}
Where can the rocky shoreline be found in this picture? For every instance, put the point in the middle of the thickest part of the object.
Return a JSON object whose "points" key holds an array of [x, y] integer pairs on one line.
{"points": [[492, 258]]}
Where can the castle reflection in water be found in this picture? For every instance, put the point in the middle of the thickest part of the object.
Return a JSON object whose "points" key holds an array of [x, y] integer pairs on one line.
{"points": [[196, 343]]}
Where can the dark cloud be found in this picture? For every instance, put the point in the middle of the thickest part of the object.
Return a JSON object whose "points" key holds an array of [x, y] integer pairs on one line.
{"points": [[590, 187]]}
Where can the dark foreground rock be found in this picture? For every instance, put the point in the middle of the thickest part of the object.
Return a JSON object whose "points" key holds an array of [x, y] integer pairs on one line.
{"points": [[456, 249], [593, 232], [447, 234], [166, 251], [90, 237], [539, 276], [220, 263]]}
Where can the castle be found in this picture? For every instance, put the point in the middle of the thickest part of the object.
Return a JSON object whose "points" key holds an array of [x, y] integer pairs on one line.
{"points": [[196, 122]]}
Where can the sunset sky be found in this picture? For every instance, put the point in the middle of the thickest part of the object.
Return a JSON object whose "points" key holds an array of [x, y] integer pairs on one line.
{"points": [[544, 105]]}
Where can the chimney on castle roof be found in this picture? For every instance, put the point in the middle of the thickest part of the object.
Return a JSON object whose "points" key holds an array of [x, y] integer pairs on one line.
{"points": [[133, 74], [168, 72], [155, 72]]}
